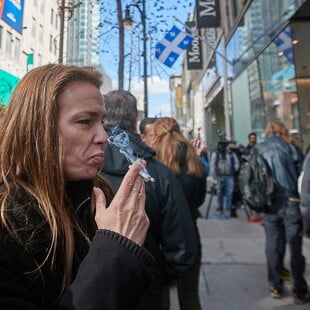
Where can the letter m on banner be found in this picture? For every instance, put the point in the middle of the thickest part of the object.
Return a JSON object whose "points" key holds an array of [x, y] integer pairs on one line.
{"points": [[208, 13]]}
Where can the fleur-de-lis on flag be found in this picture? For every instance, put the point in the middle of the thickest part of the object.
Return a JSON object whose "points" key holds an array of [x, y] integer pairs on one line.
{"points": [[172, 46]]}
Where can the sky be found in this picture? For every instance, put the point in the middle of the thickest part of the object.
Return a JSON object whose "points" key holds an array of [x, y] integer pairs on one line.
{"points": [[160, 19]]}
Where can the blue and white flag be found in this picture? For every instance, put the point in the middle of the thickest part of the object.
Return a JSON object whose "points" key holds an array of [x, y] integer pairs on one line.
{"points": [[172, 46], [284, 43]]}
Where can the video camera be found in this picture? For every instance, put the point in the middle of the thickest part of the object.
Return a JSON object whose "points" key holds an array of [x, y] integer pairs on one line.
{"points": [[222, 142]]}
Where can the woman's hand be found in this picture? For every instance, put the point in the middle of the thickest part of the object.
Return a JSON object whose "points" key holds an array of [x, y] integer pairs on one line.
{"points": [[198, 146], [126, 214]]}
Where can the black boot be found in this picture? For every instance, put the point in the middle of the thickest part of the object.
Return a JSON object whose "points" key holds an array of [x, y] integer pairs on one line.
{"points": [[233, 212], [220, 209]]}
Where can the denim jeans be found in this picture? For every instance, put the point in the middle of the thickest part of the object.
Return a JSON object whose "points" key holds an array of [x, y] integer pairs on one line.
{"points": [[225, 187], [285, 225]]}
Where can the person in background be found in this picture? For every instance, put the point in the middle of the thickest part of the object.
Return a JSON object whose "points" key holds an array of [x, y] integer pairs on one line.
{"points": [[201, 151], [252, 138], [175, 151], [283, 220], [304, 189], [146, 129], [172, 236], [224, 165], [60, 246], [237, 196]]}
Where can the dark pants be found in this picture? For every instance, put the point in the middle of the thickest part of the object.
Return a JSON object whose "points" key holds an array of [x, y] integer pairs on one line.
{"points": [[188, 289], [285, 224], [187, 286]]}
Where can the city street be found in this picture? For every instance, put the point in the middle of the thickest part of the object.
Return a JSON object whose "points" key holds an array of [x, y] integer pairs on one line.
{"points": [[233, 274]]}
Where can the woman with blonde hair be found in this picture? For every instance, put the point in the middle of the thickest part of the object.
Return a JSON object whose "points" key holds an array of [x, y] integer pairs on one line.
{"points": [[60, 246], [174, 150], [283, 220]]}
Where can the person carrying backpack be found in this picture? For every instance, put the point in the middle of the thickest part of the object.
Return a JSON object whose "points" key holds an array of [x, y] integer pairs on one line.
{"points": [[283, 216], [224, 165], [252, 138]]}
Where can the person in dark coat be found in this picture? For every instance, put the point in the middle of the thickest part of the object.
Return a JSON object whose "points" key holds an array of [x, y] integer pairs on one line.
{"points": [[60, 246], [172, 237], [174, 150], [283, 220], [252, 138]]}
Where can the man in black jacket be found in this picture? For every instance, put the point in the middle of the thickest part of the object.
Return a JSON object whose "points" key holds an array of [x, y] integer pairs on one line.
{"points": [[171, 238], [283, 217]]}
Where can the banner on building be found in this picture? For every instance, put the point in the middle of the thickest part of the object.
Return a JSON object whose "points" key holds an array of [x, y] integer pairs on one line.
{"points": [[1, 8], [30, 62], [193, 53], [172, 46], [179, 97], [208, 13], [7, 85], [11, 12]]}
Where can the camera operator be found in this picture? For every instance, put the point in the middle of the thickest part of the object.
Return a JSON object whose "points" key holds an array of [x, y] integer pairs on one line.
{"points": [[224, 165]]}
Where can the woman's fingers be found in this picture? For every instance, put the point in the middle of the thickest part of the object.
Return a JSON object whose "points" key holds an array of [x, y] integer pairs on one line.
{"points": [[126, 214], [132, 180]]}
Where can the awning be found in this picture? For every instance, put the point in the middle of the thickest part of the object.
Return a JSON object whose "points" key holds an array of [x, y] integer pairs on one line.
{"points": [[7, 85]]}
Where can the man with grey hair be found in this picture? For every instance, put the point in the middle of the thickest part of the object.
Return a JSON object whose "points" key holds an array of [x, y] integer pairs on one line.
{"points": [[172, 237]]}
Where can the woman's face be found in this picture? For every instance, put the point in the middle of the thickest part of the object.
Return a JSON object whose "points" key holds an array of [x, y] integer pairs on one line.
{"points": [[81, 132]]}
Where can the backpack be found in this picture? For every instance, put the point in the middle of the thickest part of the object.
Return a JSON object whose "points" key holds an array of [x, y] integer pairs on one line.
{"points": [[255, 181], [224, 166]]}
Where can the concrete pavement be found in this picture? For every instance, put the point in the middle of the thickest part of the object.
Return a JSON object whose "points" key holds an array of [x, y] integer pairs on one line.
{"points": [[233, 273]]}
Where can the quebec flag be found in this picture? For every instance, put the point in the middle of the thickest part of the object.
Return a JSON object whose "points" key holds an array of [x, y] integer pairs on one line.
{"points": [[172, 46], [284, 43]]}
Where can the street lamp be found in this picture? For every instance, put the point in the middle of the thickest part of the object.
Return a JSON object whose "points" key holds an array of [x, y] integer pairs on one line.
{"points": [[128, 24]]}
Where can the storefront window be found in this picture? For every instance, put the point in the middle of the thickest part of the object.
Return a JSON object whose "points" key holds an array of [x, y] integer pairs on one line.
{"points": [[263, 19], [277, 73]]}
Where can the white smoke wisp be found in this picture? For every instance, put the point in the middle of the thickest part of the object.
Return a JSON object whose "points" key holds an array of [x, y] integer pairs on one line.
{"points": [[120, 139]]}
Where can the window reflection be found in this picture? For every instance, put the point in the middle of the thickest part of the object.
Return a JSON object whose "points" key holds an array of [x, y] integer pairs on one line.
{"points": [[277, 71]]}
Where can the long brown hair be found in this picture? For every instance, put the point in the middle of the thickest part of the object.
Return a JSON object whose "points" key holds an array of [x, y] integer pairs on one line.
{"points": [[31, 153], [167, 142], [279, 129]]}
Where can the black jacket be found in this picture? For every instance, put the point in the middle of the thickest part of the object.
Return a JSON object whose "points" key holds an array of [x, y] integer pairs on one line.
{"points": [[194, 187], [305, 185], [172, 238], [284, 161], [110, 273]]}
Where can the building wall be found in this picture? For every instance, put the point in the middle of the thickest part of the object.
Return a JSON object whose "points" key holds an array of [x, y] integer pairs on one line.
{"points": [[83, 34], [31, 41], [39, 36]]}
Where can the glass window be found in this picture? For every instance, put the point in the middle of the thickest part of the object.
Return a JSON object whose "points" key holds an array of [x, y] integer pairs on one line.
{"points": [[17, 49], [277, 71], [55, 46], [33, 27], [42, 7], [9, 41], [51, 43], [52, 16], [39, 60], [40, 33], [262, 20], [1, 34]]}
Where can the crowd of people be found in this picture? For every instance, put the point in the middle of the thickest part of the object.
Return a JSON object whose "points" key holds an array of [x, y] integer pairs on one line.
{"points": [[86, 220]]}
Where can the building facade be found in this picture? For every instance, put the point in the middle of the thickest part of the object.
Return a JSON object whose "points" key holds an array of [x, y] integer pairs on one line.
{"points": [[83, 31], [255, 68], [29, 37]]}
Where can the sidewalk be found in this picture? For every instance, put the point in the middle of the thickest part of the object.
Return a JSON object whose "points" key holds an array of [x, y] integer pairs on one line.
{"points": [[233, 272]]}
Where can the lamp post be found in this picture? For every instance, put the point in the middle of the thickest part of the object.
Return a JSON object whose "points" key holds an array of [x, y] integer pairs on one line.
{"points": [[128, 23]]}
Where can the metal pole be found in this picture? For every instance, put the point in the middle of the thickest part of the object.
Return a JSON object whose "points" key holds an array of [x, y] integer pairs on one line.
{"points": [[226, 98], [62, 30], [143, 17]]}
